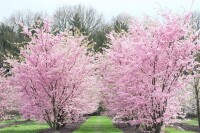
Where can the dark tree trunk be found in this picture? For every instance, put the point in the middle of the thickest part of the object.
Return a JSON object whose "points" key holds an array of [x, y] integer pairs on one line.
{"points": [[198, 111], [196, 88], [158, 127], [60, 119]]}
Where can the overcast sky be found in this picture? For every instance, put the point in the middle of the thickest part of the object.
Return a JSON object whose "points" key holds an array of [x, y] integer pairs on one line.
{"points": [[109, 8]]}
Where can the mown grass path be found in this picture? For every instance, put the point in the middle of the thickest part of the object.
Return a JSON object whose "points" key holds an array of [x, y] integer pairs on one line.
{"points": [[98, 124]]}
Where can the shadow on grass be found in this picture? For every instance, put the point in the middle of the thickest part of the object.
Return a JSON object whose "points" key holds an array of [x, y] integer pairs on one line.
{"points": [[11, 123], [187, 127], [21, 131]]}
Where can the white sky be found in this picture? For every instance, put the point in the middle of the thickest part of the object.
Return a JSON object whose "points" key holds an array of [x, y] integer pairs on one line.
{"points": [[109, 8]]}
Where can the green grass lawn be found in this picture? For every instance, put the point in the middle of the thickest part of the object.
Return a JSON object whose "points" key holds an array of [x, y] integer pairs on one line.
{"points": [[10, 121], [29, 127], [174, 130], [193, 122], [95, 124], [15, 119], [98, 124]]}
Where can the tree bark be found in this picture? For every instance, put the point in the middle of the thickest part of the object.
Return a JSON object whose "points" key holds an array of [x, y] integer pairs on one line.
{"points": [[198, 111], [158, 128], [196, 87]]}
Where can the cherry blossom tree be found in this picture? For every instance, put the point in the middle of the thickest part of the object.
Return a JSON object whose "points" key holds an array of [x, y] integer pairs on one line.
{"points": [[8, 96], [3, 95], [55, 77], [145, 69]]}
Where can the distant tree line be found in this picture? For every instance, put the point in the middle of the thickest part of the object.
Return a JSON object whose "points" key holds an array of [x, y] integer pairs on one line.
{"points": [[78, 18]]}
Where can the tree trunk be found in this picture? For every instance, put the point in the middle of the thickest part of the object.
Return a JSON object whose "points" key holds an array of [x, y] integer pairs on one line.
{"points": [[158, 127], [60, 119], [196, 88], [198, 111], [58, 126]]}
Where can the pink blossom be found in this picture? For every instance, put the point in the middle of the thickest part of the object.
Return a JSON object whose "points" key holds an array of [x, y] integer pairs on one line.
{"points": [[143, 71], [55, 78]]}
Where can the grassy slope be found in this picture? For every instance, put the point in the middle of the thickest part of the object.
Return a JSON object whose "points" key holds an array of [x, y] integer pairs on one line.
{"points": [[98, 124]]}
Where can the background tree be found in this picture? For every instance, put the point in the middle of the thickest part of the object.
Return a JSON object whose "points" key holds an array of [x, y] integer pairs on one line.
{"points": [[196, 93], [28, 18], [8, 96], [3, 95], [195, 21], [11, 36], [84, 19], [121, 23], [67, 17], [10, 43]]}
